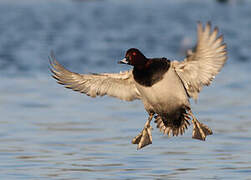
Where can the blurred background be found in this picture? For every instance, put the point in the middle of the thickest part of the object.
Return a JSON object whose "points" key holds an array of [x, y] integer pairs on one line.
{"points": [[49, 132]]}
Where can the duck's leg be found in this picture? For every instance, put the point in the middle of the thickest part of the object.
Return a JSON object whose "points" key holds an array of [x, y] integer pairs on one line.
{"points": [[200, 131], [145, 137]]}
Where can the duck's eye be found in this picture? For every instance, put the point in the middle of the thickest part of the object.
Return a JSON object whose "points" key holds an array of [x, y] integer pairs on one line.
{"points": [[134, 53], [127, 58]]}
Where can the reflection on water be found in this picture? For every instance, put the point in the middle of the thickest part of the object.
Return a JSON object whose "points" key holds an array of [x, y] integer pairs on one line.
{"points": [[48, 132]]}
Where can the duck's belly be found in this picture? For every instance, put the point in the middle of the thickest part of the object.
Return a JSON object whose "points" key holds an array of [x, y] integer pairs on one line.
{"points": [[166, 96]]}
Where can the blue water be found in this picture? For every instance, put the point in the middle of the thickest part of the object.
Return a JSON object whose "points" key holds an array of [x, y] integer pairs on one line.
{"points": [[49, 132]]}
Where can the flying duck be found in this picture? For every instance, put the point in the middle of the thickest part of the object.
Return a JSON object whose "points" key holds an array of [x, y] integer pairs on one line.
{"points": [[163, 86]]}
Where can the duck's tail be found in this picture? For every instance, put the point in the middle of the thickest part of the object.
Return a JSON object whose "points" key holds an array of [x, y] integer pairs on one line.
{"points": [[173, 126]]}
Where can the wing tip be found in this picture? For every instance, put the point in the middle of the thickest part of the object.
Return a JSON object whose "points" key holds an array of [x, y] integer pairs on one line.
{"points": [[52, 60], [54, 68], [216, 29], [200, 24], [221, 39], [209, 24]]}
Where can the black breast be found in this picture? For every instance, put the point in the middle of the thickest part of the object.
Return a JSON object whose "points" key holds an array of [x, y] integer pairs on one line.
{"points": [[153, 73]]}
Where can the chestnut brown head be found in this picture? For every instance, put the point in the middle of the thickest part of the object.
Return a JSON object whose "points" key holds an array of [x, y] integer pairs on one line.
{"points": [[134, 58]]}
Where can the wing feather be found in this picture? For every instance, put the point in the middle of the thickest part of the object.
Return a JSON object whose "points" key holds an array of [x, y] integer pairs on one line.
{"points": [[120, 85], [202, 65]]}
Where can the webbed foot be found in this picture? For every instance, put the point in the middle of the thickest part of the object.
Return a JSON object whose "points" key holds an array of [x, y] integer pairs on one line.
{"points": [[200, 131], [144, 138]]}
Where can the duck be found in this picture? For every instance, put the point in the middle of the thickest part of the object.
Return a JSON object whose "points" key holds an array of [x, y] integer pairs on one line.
{"points": [[164, 86]]}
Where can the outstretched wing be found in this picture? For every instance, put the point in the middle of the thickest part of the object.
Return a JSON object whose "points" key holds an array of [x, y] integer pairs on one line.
{"points": [[200, 66], [119, 85]]}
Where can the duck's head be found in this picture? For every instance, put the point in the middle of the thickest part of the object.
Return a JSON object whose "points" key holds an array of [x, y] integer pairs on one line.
{"points": [[134, 58]]}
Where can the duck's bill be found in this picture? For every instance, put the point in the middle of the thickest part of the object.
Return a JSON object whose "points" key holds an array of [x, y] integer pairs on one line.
{"points": [[123, 61]]}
